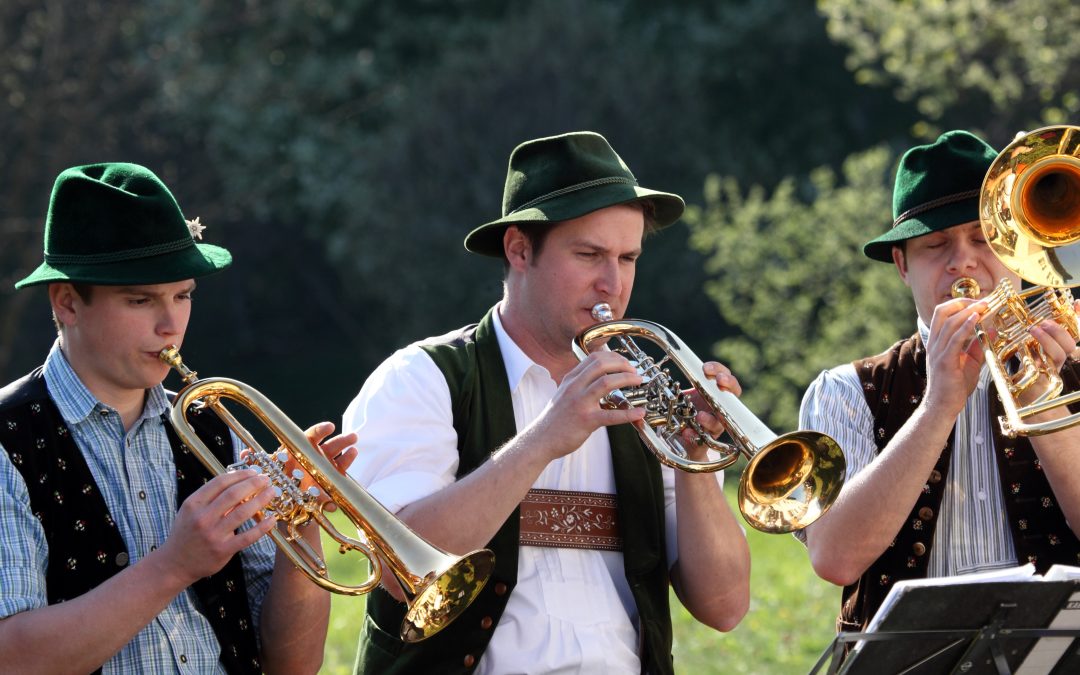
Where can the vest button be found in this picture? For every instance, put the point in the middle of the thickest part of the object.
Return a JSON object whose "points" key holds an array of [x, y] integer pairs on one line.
{"points": [[469, 660], [121, 558], [486, 622], [926, 513], [935, 476], [919, 548], [183, 658], [501, 588]]}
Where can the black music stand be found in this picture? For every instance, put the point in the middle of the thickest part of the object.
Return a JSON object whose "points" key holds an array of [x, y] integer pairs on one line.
{"points": [[984, 628]]}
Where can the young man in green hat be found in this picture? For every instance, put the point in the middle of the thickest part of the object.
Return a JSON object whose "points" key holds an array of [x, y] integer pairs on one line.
{"points": [[933, 487], [119, 552], [492, 436]]}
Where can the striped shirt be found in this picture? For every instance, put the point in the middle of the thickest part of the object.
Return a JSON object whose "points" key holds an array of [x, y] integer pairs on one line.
{"points": [[972, 534], [137, 477]]}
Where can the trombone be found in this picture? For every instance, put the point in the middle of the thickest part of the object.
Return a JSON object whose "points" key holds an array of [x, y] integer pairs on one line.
{"points": [[790, 480], [1029, 209], [439, 585]]}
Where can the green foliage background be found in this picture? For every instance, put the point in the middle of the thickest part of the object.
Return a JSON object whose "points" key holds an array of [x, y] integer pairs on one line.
{"points": [[342, 150]]}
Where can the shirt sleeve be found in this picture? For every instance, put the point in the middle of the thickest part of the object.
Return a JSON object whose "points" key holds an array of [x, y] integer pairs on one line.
{"points": [[404, 421], [834, 404], [24, 555]]}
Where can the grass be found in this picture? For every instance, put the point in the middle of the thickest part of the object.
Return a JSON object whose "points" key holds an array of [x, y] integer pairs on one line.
{"points": [[789, 624]]}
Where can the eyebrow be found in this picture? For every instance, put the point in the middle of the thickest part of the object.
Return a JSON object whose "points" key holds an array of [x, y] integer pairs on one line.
{"points": [[585, 243], [142, 290]]}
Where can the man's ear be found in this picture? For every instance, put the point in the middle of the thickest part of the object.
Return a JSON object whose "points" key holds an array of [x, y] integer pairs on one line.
{"points": [[900, 260], [516, 247], [65, 303]]}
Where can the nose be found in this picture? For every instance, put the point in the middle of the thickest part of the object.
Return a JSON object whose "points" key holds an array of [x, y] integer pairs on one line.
{"points": [[609, 282], [169, 320], [964, 257]]}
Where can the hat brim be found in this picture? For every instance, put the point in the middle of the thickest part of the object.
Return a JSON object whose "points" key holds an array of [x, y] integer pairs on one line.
{"points": [[189, 263], [488, 238], [940, 218]]}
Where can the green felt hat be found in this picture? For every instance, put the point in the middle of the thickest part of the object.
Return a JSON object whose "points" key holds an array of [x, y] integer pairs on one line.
{"points": [[116, 224], [937, 186], [559, 178]]}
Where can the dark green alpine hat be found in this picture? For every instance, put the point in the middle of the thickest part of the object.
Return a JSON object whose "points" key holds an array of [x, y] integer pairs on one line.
{"points": [[559, 178], [114, 224], [937, 186]]}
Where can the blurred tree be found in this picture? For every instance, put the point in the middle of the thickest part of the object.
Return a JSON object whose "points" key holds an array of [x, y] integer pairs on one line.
{"points": [[1003, 66], [69, 95], [788, 270], [382, 130]]}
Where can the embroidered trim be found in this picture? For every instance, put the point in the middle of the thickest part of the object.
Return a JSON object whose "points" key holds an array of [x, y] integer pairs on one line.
{"points": [[574, 188], [568, 519], [933, 204]]}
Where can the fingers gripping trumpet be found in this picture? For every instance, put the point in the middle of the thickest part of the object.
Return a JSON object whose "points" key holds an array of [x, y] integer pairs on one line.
{"points": [[789, 481], [438, 585]]}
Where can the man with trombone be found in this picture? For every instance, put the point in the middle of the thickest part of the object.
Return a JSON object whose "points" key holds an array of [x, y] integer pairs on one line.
{"points": [[936, 486], [119, 552], [493, 436]]}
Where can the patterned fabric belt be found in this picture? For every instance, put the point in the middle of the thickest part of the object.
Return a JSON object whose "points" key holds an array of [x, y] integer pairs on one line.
{"points": [[565, 519]]}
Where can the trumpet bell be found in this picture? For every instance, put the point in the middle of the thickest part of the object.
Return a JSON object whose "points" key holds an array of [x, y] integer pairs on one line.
{"points": [[790, 482], [1029, 206]]}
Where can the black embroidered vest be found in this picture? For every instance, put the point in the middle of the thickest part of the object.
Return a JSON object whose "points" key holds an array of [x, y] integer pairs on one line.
{"points": [[893, 385], [85, 546], [484, 420]]}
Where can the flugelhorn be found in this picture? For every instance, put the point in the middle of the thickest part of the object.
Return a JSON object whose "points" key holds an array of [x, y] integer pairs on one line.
{"points": [[1029, 210], [790, 480], [439, 585]]}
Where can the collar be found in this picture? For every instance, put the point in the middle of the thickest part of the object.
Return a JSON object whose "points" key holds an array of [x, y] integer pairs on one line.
{"points": [[74, 400], [516, 361]]}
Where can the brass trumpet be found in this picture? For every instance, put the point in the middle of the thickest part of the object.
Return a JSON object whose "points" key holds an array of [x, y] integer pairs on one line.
{"points": [[1029, 209], [439, 585], [790, 480]]}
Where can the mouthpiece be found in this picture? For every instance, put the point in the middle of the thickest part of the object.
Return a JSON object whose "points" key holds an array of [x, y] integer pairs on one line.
{"points": [[966, 287], [602, 312], [171, 356]]}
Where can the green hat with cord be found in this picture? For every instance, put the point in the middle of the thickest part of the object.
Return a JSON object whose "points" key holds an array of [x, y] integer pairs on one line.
{"points": [[115, 224], [937, 186], [559, 178]]}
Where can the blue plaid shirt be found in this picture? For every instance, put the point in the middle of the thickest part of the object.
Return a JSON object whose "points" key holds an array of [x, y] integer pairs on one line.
{"points": [[136, 475]]}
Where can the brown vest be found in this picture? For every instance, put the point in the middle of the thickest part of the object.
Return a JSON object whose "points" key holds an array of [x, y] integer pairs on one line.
{"points": [[893, 383]]}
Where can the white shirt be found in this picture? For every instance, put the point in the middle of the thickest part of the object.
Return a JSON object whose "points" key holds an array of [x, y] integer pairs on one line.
{"points": [[972, 534], [571, 610]]}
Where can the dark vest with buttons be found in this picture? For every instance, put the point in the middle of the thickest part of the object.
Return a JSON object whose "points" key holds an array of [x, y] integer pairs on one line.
{"points": [[484, 420], [85, 546], [893, 384]]}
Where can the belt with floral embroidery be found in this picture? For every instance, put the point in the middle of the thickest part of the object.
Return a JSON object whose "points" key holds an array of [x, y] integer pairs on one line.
{"points": [[567, 519]]}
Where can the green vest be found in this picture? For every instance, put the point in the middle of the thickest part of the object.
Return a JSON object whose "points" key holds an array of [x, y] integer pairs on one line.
{"points": [[484, 420]]}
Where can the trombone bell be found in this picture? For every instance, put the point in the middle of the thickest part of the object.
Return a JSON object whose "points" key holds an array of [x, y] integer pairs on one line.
{"points": [[789, 481], [439, 585]]}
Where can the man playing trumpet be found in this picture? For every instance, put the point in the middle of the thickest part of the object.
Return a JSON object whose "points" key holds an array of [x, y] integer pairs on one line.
{"points": [[99, 568], [493, 436], [934, 488]]}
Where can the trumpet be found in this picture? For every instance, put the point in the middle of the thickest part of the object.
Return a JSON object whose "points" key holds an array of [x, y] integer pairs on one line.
{"points": [[438, 585], [1029, 210], [789, 481]]}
